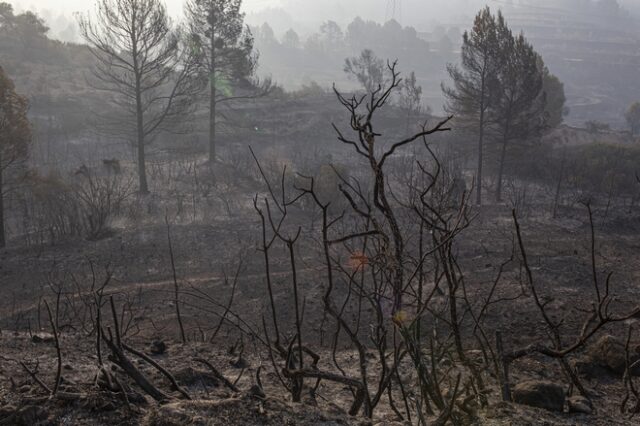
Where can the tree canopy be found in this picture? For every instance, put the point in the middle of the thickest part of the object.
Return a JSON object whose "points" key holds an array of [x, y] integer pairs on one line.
{"points": [[367, 69], [475, 82], [499, 90], [553, 88], [21, 35], [224, 49]]}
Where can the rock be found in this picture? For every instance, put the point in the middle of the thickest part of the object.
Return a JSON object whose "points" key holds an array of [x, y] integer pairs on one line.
{"points": [[609, 352], [158, 347], [580, 404], [43, 338], [541, 394], [585, 367]]}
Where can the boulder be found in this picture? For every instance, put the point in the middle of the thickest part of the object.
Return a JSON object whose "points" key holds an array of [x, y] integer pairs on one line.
{"points": [[43, 338], [609, 352], [585, 367], [580, 404], [542, 394]]}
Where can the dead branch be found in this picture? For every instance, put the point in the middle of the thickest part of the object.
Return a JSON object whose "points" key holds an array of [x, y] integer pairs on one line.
{"points": [[158, 367], [175, 282], [317, 374], [590, 328], [119, 358], [230, 303], [217, 374], [54, 330], [34, 376], [627, 379]]}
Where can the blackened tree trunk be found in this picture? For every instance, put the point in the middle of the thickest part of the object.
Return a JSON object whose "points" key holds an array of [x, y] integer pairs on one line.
{"points": [[225, 55], [503, 157], [470, 98], [480, 159], [3, 242], [212, 104]]}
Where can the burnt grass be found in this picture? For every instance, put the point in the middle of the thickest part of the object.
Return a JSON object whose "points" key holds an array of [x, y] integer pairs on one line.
{"points": [[559, 255], [210, 250]]}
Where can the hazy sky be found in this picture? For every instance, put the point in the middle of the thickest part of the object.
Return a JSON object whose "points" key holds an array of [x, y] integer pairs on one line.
{"points": [[305, 10], [309, 13], [80, 5]]}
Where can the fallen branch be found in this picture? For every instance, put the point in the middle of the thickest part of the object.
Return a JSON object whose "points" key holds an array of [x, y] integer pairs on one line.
{"points": [[34, 376], [119, 358], [158, 367], [217, 374], [323, 375]]}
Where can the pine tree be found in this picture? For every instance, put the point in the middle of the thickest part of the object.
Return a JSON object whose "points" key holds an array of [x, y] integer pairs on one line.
{"points": [[554, 93], [410, 100], [499, 91], [225, 51], [291, 40], [518, 108], [141, 63], [367, 69], [474, 83]]}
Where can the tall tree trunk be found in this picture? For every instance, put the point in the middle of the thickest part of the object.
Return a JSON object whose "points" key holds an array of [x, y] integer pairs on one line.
{"points": [[212, 120], [556, 199], [142, 170], [503, 156], [480, 155], [2, 236], [212, 99]]}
